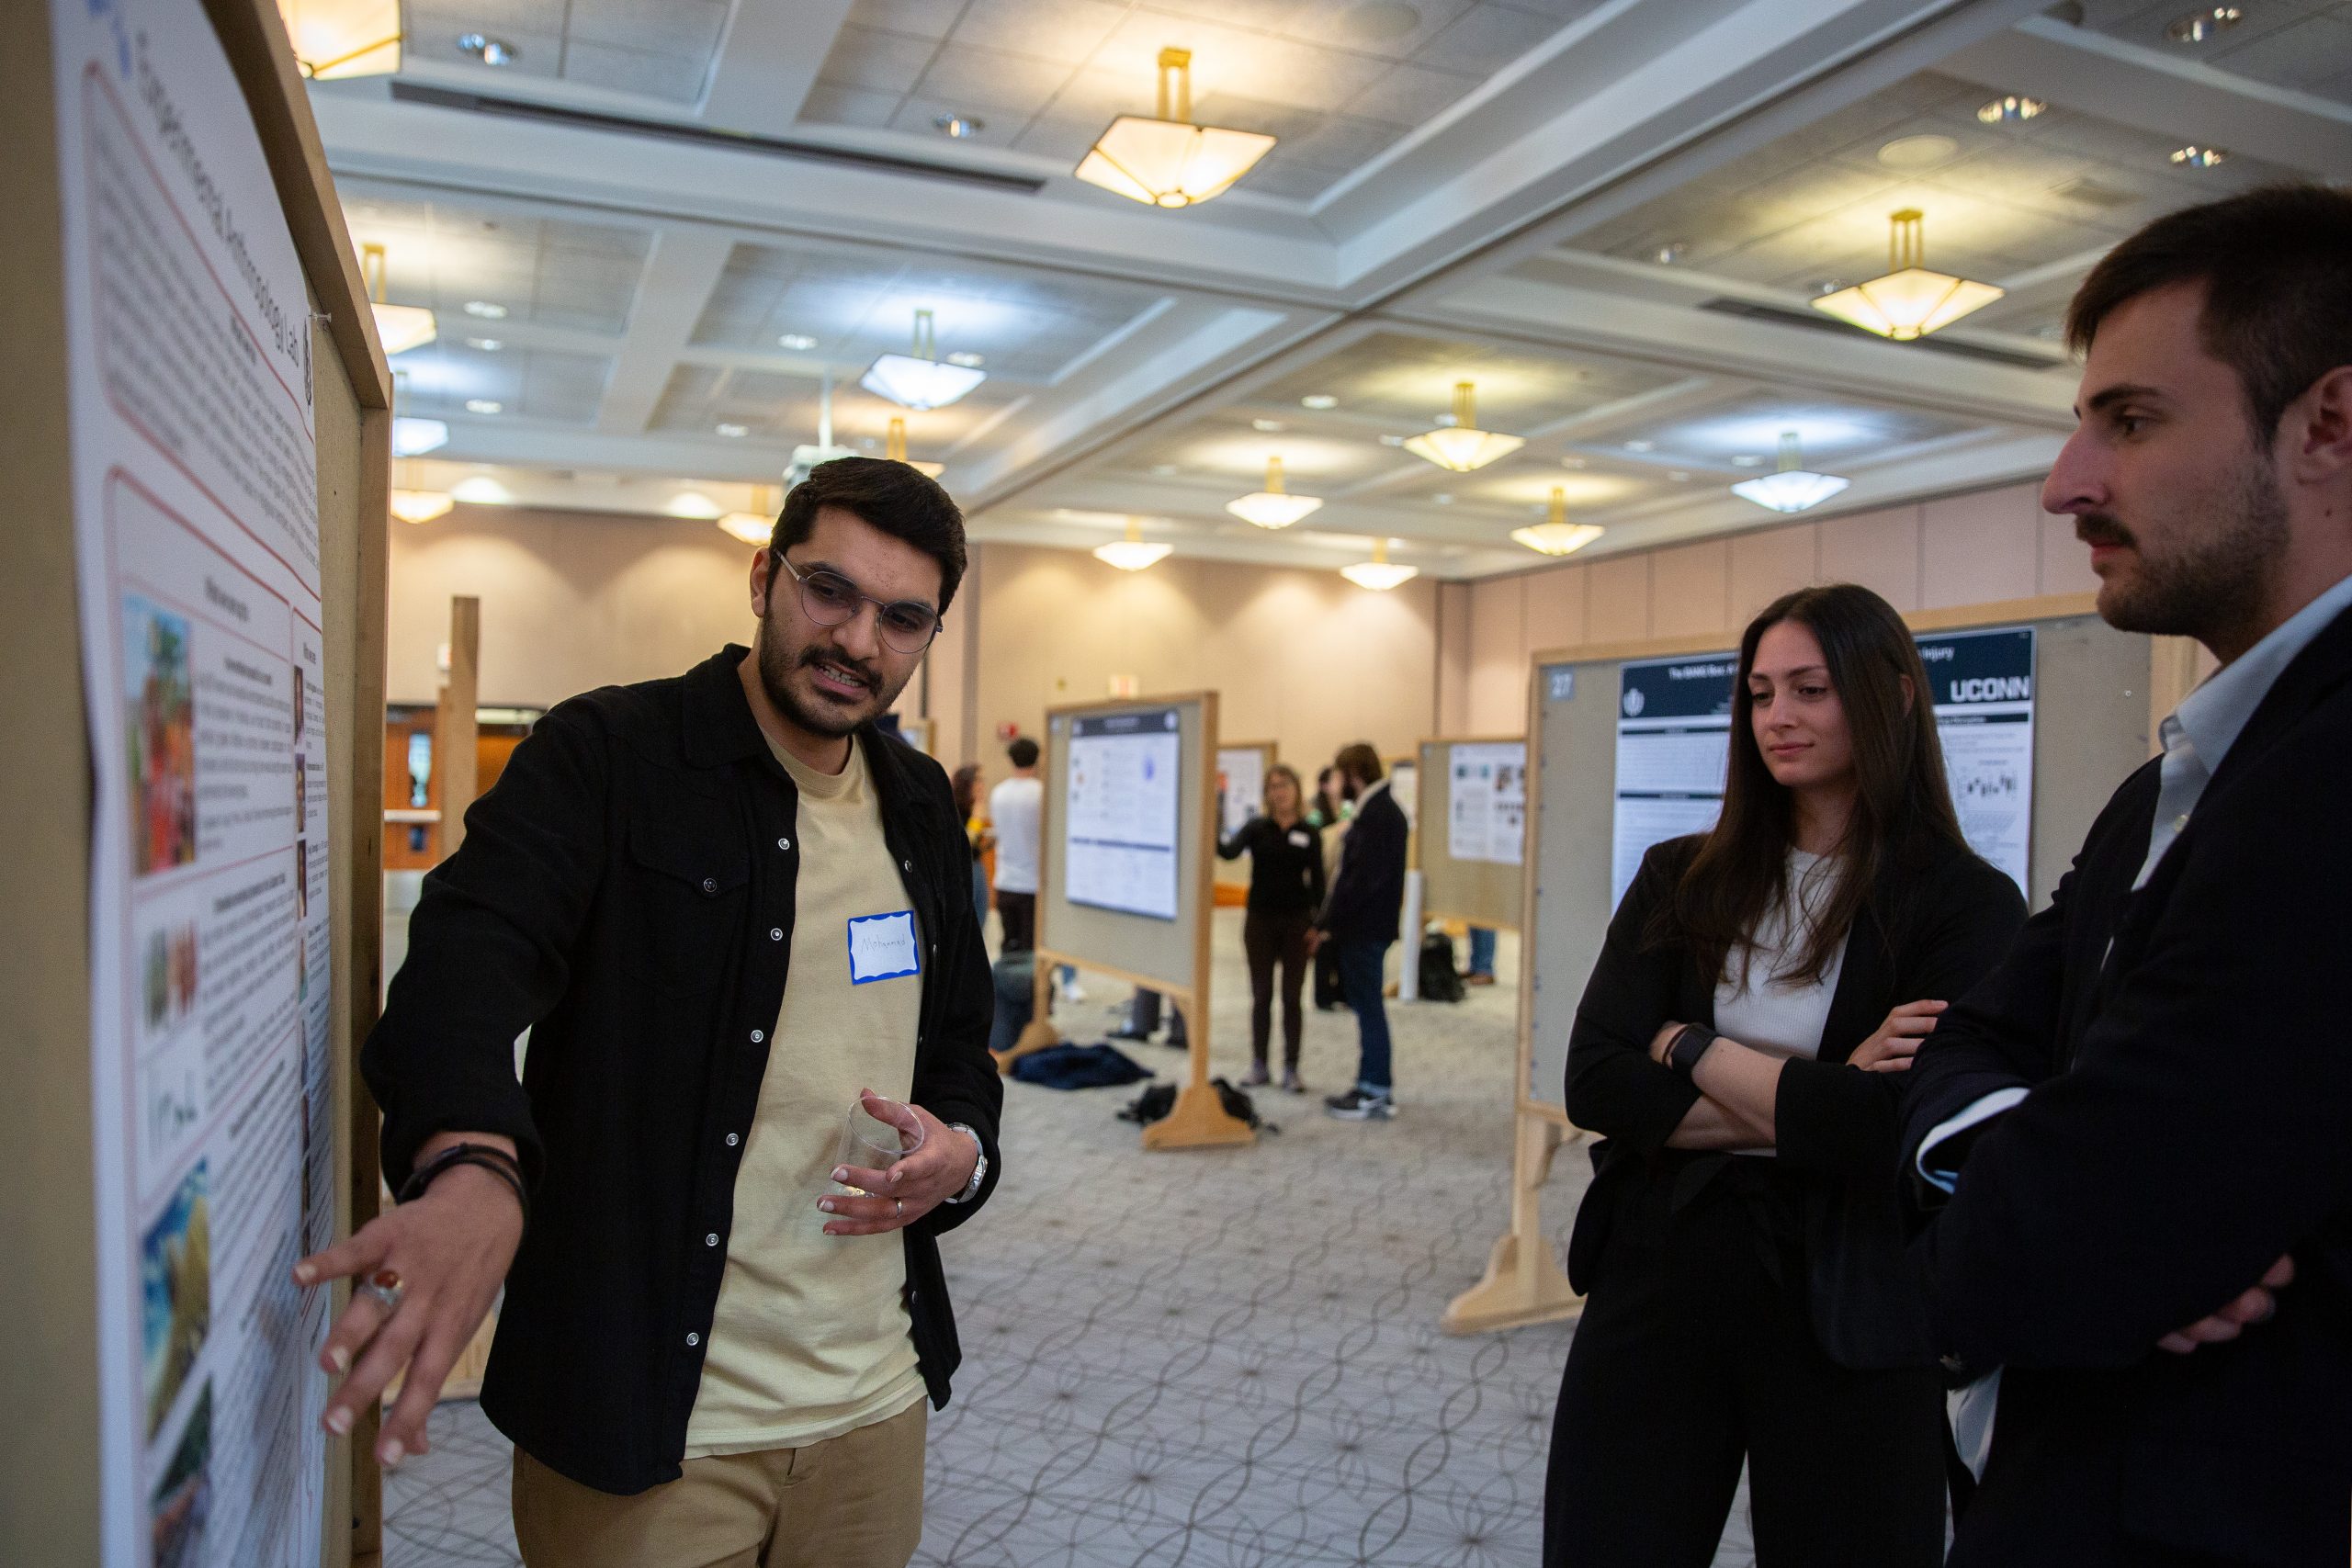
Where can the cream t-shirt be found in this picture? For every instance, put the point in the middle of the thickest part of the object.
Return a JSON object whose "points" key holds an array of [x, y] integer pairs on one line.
{"points": [[810, 1337]]}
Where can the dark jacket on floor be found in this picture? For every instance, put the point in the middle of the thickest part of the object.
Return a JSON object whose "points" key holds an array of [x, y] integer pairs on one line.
{"points": [[1936, 922], [2191, 1122], [1368, 892], [626, 894]]}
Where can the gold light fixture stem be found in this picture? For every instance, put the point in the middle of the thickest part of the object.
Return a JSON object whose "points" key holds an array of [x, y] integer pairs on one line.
{"points": [[926, 346], [895, 447], [1906, 243], [371, 268], [1176, 80], [1274, 476], [1466, 405], [1792, 459], [1559, 504]]}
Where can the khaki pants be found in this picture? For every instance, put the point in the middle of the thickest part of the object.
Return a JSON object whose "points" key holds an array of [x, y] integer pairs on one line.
{"points": [[854, 1501]]}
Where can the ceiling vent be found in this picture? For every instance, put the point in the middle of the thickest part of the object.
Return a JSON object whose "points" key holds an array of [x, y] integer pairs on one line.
{"points": [[2090, 193], [1815, 321], [732, 142]]}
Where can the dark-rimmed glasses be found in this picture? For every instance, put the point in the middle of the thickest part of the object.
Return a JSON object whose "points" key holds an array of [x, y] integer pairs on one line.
{"points": [[906, 625]]}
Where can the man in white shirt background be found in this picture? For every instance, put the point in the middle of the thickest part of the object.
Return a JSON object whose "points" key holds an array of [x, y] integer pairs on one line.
{"points": [[1014, 809]]}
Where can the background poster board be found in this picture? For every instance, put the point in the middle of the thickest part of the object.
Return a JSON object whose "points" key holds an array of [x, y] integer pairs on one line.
{"points": [[2025, 805], [1168, 954], [1480, 888], [1121, 789]]}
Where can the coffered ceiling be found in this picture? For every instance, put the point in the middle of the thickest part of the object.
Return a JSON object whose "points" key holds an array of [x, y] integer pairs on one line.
{"points": [[662, 234]]}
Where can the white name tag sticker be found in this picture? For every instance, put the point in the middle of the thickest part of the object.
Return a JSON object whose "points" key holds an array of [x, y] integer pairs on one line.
{"points": [[1298, 836], [883, 947]]}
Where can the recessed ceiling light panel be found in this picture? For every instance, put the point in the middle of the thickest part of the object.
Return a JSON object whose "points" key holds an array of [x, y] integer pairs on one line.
{"points": [[959, 127], [799, 343], [1318, 401], [489, 49], [485, 309], [2198, 25], [734, 432], [1917, 152], [2010, 111], [484, 405]]}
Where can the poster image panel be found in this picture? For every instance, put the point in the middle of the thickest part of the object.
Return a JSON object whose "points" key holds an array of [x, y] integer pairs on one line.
{"points": [[1240, 787], [1119, 832], [1487, 795], [1982, 686], [1673, 735]]}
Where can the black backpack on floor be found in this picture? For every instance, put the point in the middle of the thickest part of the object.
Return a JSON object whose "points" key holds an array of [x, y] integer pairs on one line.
{"points": [[1439, 982]]}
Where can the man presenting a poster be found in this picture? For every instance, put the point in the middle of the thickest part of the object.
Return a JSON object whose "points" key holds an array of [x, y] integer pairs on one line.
{"points": [[730, 912]]}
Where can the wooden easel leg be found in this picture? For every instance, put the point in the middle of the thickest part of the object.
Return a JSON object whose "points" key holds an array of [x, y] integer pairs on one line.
{"points": [[1040, 1031], [1523, 1282], [1198, 1119]]}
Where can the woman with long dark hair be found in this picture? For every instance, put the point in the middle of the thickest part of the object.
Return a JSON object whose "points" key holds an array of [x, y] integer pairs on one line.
{"points": [[967, 787], [1285, 890], [1740, 1047]]}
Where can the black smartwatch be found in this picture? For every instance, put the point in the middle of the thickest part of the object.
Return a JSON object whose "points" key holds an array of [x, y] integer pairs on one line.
{"points": [[1689, 1044]]}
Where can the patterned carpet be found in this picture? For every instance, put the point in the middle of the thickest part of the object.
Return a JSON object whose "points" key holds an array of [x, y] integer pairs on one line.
{"points": [[1220, 1359]]}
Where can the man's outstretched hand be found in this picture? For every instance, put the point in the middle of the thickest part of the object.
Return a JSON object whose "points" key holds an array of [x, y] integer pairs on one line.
{"points": [[449, 1249]]}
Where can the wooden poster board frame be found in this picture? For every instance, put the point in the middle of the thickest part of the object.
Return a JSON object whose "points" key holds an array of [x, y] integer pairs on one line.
{"points": [[1472, 892], [50, 1460], [1230, 876], [1524, 1282], [1198, 1119]]}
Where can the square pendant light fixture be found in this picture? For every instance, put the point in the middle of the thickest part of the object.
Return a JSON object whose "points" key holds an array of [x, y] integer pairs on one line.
{"points": [[1909, 301], [895, 448], [335, 39], [1132, 553], [414, 437], [1556, 535], [920, 380], [1274, 507], [1379, 575], [402, 327], [1794, 487], [756, 526], [1166, 161], [1462, 446]]}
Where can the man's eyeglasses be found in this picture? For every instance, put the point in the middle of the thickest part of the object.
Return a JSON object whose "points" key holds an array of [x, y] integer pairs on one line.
{"points": [[906, 625]]}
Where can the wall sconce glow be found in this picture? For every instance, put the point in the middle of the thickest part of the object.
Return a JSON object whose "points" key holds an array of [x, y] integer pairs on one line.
{"points": [[1794, 487], [896, 450], [692, 503], [918, 380], [1274, 507], [421, 506], [402, 327], [756, 526], [1556, 535], [1462, 446], [335, 39], [1132, 554], [482, 491], [1379, 575], [1167, 161], [1909, 301]]}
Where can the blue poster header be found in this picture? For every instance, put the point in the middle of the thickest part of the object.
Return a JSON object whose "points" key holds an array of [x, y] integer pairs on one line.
{"points": [[1678, 688], [1148, 721], [1968, 669]]}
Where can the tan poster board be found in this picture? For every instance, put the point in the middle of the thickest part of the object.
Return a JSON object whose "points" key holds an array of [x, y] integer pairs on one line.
{"points": [[1464, 877]]}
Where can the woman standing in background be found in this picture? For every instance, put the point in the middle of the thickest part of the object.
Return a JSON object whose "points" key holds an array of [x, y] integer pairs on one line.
{"points": [[1285, 891]]}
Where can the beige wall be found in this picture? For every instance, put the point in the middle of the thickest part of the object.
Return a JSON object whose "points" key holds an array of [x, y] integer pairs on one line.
{"points": [[1303, 659], [1963, 550]]}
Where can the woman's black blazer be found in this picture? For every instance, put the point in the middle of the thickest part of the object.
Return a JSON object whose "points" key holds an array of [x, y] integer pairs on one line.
{"points": [[1936, 921]]}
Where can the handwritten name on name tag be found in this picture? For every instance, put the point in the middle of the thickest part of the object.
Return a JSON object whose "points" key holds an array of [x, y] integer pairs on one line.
{"points": [[883, 947]]}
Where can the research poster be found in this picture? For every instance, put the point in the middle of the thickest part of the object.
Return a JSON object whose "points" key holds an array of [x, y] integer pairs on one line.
{"points": [[1982, 686], [1124, 793], [197, 533], [1405, 788], [1486, 801], [1674, 723], [1673, 728], [1240, 787]]}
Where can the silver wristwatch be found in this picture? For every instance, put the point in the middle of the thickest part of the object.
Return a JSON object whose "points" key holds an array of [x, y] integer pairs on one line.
{"points": [[980, 1165]]}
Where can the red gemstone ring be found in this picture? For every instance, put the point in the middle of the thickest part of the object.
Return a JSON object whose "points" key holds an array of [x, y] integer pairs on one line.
{"points": [[385, 1286]]}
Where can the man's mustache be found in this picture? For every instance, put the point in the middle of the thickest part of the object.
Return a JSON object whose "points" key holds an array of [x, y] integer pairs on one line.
{"points": [[2098, 528]]}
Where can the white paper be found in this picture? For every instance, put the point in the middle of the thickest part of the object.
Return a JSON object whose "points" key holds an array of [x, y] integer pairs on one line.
{"points": [[1123, 796], [1487, 795], [195, 480], [1982, 685], [1241, 786], [1673, 739]]}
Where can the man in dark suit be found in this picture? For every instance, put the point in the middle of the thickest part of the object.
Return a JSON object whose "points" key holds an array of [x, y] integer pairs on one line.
{"points": [[1359, 920], [2143, 1118]]}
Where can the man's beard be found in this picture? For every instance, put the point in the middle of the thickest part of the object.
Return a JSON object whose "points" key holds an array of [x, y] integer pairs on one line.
{"points": [[779, 660], [2213, 586]]}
